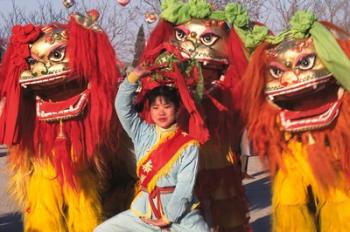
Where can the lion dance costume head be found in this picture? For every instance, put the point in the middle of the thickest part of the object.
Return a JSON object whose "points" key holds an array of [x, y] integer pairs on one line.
{"points": [[296, 109], [203, 52], [59, 81]]}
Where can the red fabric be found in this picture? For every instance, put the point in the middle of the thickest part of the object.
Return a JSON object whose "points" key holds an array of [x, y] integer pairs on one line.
{"points": [[162, 33], [93, 59], [217, 104], [207, 181], [161, 156], [61, 105], [197, 128], [225, 126], [63, 162], [13, 64], [155, 194]]}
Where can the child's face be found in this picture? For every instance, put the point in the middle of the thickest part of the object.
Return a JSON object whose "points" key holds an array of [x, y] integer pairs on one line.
{"points": [[163, 113]]}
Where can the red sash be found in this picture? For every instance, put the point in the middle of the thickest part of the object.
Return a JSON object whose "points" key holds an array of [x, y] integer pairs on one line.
{"points": [[161, 157]]}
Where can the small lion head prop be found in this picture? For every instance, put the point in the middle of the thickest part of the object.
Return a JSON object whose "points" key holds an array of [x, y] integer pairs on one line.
{"points": [[59, 81]]}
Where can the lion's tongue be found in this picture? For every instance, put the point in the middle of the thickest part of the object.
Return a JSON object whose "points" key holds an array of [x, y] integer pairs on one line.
{"points": [[292, 115]]}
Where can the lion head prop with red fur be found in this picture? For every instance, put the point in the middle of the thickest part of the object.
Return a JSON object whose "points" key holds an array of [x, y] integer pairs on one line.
{"points": [[203, 52], [199, 49], [296, 87], [59, 82]]}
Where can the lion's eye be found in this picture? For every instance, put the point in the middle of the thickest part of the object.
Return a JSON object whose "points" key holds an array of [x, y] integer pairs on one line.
{"points": [[306, 62], [31, 60], [180, 34], [276, 72], [209, 39], [58, 54]]}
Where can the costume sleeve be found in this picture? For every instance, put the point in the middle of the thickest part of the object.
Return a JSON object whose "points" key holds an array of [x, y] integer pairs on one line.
{"points": [[181, 199], [128, 116]]}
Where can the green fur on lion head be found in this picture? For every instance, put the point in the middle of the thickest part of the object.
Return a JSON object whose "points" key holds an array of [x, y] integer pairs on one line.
{"points": [[178, 12]]}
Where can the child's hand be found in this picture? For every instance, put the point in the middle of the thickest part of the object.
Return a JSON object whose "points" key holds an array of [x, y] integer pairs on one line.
{"points": [[142, 70]]}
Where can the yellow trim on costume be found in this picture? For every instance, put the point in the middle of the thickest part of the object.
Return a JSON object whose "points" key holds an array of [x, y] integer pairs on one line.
{"points": [[194, 206], [133, 77], [165, 169], [148, 213], [160, 141]]}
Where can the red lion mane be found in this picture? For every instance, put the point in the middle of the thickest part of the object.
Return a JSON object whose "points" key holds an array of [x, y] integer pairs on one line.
{"points": [[93, 59], [332, 147]]}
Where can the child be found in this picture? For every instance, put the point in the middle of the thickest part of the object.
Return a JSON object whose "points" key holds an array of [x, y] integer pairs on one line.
{"points": [[167, 163]]}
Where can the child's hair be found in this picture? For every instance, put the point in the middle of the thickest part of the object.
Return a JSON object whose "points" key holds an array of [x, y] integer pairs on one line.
{"points": [[169, 94]]}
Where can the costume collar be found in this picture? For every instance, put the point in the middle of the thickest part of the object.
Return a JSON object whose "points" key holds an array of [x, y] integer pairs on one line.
{"points": [[161, 132]]}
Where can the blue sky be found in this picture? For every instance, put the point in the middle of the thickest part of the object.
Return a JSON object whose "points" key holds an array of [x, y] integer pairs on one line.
{"points": [[6, 5], [124, 48]]}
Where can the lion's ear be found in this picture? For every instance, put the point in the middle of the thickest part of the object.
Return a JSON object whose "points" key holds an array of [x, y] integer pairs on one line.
{"points": [[89, 20], [339, 33]]}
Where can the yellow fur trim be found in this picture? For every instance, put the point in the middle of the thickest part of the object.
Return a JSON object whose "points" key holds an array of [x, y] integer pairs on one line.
{"points": [[195, 206], [165, 169], [298, 160], [335, 213], [45, 201], [290, 197], [157, 144], [51, 207], [295, 218], [20, 169], [231, 157], [84, 208]]}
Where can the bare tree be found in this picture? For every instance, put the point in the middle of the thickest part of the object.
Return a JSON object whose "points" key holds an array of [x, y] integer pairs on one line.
{"points": [[254, 7], [139, 45], [115, 22], [122, 23], [153, 4], [283, 10], [335, 11]]}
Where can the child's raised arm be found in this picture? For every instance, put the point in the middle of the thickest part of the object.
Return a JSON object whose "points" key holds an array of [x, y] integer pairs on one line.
{"points": [[128, 116]]}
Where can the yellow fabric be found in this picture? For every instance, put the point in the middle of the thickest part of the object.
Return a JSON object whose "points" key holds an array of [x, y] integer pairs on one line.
{"points": [[20, 170], [133, 77], [51, 208], [290, 198], [335, 213], [44, 211], [293, 218], [148, 214], [84, 209], [166, 168], [161, 140]]}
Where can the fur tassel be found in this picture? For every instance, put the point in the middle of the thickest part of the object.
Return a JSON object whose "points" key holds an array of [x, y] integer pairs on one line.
{"points": [[197, 127], [63, 163], [13, 64]]}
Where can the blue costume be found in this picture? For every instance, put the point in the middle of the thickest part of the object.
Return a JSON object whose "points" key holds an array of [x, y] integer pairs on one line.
{"points": [[179, 206]]}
